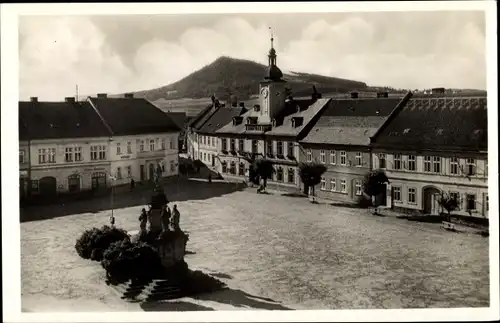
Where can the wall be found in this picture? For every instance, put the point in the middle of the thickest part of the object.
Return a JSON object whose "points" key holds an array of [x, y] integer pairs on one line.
{"points": [[207, 151]]}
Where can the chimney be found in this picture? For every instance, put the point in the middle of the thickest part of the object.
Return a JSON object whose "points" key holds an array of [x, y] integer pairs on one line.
{"points": [[382, 94], [102, 95], [70, 99], [354, 95], [129, 95], [34, 99]]}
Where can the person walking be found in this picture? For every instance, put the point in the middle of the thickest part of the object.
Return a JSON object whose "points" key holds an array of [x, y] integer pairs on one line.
{"points": [[112, 221], [209, 177], [176, 217], [132, 184]]}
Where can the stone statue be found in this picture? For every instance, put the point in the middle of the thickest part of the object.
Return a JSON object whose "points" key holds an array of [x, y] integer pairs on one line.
{"points": [[143, 219], [176, 217]]}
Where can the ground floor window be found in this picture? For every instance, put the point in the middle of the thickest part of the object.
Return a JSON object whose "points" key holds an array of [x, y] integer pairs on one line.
{"points": [[224, 167], [172, 166], [129, 171], [456, 196], [241, 169], [343, 186], [279, 174], [412, 195], [357, 185], [118, 173], [98, 180], [232, 169], [34, 186], [291, 175], [74, 183], [397, 193], [333, 185], [471, 202], [323, 183]]}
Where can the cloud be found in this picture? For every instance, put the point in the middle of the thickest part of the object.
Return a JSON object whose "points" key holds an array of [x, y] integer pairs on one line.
{"points": [[407, 51]]}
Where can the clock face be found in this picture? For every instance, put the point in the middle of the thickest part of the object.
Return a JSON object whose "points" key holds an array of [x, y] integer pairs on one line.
{"points": [[264, 92]]}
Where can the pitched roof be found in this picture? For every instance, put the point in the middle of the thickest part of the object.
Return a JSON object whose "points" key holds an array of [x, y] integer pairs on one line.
{"points": [[438, 124], [306, 109], [351, 121], [51, 120], [219, 118], [201, 117], [23, 130], [179, 118], [133, 116]]}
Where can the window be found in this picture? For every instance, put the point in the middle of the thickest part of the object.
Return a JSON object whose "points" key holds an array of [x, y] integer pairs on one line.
{"points": [[333, 185], [412, 195], [270, 148], [290, 149], [412, 162], [21, 156], [291, 175], [68, 154], [129, 171], [223, 144], [322, 156], [279, 148], [205, 156], [209, 139], [241, 169], [357, 185], [343, 186], [471, 166], [118, 173], [163, 145], [436, 163], [471, 202], [487, 202], [309, 155], [42, 156], [141, 146], [427, 163], [255, 146], [93, 152], [118, 148], [151, 145], [359, 159], [51, 155], [232, 169], [224, 167], [171, 143], [78, 154], [454, 165], [204, 140], [34, 186], [397, 193], [382, 160], [233, 144], [279, 174], [343, 158], [456, 196], [323, 183], [333, 157], [397, 161], [129, 146], [102, 152], [172, 166], [241, 144]]}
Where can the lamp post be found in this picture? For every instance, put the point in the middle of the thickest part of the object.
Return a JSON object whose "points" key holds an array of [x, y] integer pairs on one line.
{"points": [[112, 218]]}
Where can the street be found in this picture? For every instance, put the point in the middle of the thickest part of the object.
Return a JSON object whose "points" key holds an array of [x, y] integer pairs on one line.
{"points": [[274, 252]]}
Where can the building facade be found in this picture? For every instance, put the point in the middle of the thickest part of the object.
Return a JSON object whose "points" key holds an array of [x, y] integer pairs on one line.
{"points": [[340, 140], [436, 145]]}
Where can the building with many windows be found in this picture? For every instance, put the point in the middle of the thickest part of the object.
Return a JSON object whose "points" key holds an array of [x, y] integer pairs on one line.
{"points": [[68, 147], [340, 140], [270, 129], [24, 160], [142, 137], [433, 145]]}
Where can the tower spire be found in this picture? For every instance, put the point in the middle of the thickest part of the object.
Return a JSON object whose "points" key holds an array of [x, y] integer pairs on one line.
{"points": [[272, 51]]}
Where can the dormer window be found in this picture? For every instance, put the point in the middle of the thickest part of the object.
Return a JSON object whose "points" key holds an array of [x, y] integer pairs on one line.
{"points": [[251, 120], [297, 121], [237, 120]]}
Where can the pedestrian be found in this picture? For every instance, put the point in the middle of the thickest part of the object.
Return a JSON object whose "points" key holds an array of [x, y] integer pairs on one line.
{"points": [[112, 221], [209, 177], [176, 217], [132, 184], [143, 219]]}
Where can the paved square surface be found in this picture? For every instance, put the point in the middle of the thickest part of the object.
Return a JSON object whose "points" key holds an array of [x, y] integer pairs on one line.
{"points": [[274, 252]]}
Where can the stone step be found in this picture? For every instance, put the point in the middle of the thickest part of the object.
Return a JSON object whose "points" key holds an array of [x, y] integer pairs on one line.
{"points": [[157, 296]]}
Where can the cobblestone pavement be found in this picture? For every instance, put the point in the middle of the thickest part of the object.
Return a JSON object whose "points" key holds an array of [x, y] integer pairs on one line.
{"points": [[277, 252]]}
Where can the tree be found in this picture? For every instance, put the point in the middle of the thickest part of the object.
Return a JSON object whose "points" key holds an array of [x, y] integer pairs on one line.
{"points": [[92, 243], [310, 174], [374, 184], [263, 168], [448, 202]]}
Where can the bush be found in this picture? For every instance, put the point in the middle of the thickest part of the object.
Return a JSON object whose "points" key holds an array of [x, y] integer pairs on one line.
{"points": [[125, 260], [93, 242]]}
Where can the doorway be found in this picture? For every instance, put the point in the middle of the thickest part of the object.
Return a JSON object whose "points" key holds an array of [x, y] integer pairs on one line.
{"points": [[48, 186], [142, 173], [74, 183], [98, 181], [430, 195], [151, 172]]}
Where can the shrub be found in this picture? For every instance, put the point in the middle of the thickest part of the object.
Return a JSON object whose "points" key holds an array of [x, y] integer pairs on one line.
{"points": [[93, 242], [125, 260]]}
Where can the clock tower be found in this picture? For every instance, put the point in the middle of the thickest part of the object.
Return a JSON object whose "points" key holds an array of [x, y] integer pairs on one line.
{"points": [[272, 89]]}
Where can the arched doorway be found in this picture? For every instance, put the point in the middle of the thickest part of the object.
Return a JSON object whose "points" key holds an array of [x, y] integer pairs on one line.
{"points": [[430, 200], [74, 183], [48, 186], [98, 181], [151, 171]]}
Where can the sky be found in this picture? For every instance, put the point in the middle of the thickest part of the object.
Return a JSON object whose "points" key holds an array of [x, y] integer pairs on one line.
{"points": [[117, 54]]}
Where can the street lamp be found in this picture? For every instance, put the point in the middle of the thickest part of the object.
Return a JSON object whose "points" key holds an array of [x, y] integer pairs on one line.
{"points": [[112, 218]]}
